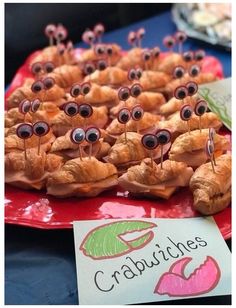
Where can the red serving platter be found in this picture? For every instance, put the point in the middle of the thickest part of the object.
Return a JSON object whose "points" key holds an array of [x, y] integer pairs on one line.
{"points": [[37, 209]]}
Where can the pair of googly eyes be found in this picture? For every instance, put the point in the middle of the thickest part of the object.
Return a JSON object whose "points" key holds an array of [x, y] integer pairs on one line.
{"points": [[90, 67], [124, 93], [125, 114], [198, 55], [39, 67], [45, 84], [90, 36], [72, 109], [151, 141], [80, 89], [134, 36], [59, 32], [26, 105], [91, 135], [25, 131], [135, 74], [186, 111], [189, 89], [179, 71], [103, 49]]}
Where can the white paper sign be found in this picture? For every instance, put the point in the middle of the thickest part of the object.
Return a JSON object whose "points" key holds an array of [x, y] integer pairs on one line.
{"points": [[218, 96], [142, 260]]}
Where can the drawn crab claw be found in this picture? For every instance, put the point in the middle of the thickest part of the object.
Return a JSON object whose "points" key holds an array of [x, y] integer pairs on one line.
{"points": [[107, 241], [202, 280]]}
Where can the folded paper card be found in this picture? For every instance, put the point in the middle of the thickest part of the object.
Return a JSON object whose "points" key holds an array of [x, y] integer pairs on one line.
{"points": [[218, 96], [150, 260]]}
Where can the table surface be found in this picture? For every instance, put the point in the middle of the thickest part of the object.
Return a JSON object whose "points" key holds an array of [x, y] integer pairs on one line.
{"points": [[40, 264]]}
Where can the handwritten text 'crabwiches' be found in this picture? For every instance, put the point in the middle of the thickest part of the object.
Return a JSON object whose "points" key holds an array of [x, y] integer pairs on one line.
{"points": [[106, 282]]}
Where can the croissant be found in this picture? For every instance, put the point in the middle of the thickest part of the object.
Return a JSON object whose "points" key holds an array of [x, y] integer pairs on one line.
{"points": [[65, 147], [124, 154], [153, 80], [175, 104], [168, 62], [131, 59], [90, 55], [111, 76], [50, 54], [177, 126], [152, 180], [66, 75], [24, 92], [212, 190], [13, 117], [98, 96], [61, 123], [190, 148], [149, 101], [147, 122], [82, 178], [15, 144], [31, 172]]}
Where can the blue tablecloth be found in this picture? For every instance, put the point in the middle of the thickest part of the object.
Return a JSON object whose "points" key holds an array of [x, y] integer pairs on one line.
{"points": [[40, 265]]}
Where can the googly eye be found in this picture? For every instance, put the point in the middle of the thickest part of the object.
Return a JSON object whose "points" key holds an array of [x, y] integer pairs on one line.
{"points": [[136, 90], [169, 41], [150, 141], [36, 68], [24, 131], [77, 135], [109, 50], [163, 136], [89, 68], [212, 133], [41, 128], [146, 55], [186, 112], [61, 49], [181, 92], [37, 86], [140, 33], [48, 82], [188, 56], [48, 67], [85, 110], [132, 74], [92, 134], [200, 108], [192, 88], [178, 72], [123, 93], [71, 109], [88, 37], [101, 65], [99, 49], [25, 106], [124, 116], [35, 105], [69, 46], [137, 113], [156, 52], [132, 37], [210, 149], [50, 30], [139, 73], [99, 30], [85, 88], [180, 36], [61, 33], [75, 90], [194, 71], [199, 55]]}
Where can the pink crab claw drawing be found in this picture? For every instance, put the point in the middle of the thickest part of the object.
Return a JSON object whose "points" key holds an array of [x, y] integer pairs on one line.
{"points": [[202, 280]]}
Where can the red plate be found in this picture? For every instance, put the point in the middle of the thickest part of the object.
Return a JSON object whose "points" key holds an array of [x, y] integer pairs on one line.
{"points": [[36, 209]]}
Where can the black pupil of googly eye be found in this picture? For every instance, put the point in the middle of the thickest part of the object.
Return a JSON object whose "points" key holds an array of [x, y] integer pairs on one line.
{"points": [[192, 89], [37, 87], [170, 43], [137, 114], [25, 134], [40, 130], [179, 73], [138, 74], [187, 114], [194, 71], [48, 83], [124, 94], [187, 57], [136, 91], [102, 65], [162, 138], [92, 136], [26, 107], [124, 117], [85, 111], [146, 57], [181, 94], [86, 89], [89, 69], [49, 68], [71, 110], [109, 51], [132, 75], [78, 135], [201, 110], [75, 91]]}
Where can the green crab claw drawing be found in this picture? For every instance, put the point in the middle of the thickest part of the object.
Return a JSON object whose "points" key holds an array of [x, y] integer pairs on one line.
{"points": [[107, 241]]}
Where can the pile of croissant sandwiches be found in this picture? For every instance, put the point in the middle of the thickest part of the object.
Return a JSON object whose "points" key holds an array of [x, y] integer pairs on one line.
{"points": [[85, 122]]}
